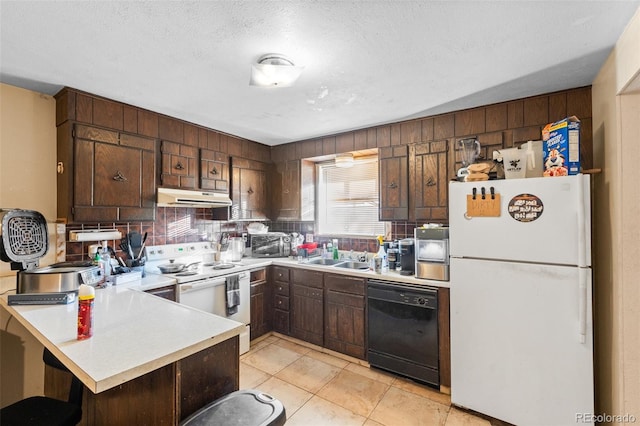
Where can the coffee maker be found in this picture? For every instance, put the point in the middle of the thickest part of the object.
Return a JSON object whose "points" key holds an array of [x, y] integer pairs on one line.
{"points": [[407, 256]]}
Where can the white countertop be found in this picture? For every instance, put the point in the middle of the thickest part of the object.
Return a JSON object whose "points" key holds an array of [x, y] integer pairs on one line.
{"points": [[134, 334], [386, 276]]}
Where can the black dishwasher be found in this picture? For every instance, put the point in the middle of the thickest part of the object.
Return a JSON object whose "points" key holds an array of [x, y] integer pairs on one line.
{"points": [[403, 329]]}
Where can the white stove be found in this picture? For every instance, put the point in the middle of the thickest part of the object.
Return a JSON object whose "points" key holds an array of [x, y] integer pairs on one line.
{"points": [[205, 285], [188, 253]]}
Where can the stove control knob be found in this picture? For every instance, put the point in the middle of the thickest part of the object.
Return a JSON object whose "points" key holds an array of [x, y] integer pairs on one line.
{"points": [[160, 251]]}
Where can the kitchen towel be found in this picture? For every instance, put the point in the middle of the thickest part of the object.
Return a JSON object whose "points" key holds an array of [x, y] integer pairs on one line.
{"points": [[233, 294]]}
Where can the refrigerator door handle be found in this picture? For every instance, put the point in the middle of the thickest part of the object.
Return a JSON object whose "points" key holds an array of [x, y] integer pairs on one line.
{"points": [[581, 224], [582, 304]]}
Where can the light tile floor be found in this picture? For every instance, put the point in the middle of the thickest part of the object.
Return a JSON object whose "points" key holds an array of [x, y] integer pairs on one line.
{"points": [[321, 387]]}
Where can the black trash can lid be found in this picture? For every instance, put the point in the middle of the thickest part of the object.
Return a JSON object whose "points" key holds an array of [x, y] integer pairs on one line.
{"points": [[248, 407]]}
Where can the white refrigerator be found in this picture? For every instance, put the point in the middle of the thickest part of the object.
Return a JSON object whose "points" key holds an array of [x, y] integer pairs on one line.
{"points": [[521, 299]]}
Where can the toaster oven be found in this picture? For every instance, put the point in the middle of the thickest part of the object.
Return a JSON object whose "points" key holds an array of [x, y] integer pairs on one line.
{"points": [[270, 244]]}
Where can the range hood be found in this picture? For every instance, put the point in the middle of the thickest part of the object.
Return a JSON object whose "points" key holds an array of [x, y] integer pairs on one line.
{"points": [[168, 197]]}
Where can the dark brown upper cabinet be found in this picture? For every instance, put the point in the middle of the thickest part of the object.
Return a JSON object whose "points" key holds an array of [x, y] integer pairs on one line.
{"points": [[214, 171], [394, 183], [284, 190], [104, 175], [429, 174], [179, 165]]}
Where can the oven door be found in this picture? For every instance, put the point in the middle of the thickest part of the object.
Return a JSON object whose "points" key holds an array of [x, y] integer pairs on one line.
{"points": [[200, 294], [210, 296]]}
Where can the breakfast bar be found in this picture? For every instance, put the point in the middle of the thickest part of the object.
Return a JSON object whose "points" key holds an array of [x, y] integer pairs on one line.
{"points": [[150, 361]]}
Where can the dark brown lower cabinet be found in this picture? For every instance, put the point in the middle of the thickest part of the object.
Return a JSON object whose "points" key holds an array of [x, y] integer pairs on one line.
{"points": [[307, 306], [280, 288], [344, 315], [161, 397], [168, 292], [259, 304]]}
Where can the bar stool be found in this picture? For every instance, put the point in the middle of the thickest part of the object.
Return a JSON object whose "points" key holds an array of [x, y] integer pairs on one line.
{"points": [[45, 411]]}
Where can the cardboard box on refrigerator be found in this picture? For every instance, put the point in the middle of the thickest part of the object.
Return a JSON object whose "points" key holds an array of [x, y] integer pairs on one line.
{"points": [[561, 147]]}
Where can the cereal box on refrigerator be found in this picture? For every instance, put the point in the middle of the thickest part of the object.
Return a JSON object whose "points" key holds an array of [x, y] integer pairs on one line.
{"points": [[561, 147]]}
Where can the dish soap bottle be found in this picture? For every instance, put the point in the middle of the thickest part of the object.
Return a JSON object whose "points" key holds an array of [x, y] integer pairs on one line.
{"points": [[335, 249]]}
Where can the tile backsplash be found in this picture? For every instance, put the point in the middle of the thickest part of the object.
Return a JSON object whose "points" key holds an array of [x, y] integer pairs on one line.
{"points": [[174, 225]]}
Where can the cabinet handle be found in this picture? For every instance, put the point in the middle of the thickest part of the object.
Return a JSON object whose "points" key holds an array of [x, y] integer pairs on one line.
{"points": [[279, 275], [279, 302], [280, 288], [286, 191], [250, 191], [119, 177], [214, 171], [430, 181], [179, 166], [393, 185]]}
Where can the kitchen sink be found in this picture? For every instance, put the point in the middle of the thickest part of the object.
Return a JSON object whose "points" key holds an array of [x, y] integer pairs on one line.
{"points": [[327, 262], [351, 264]]}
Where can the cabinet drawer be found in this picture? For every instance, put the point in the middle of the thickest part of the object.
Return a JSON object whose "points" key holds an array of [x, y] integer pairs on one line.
{"points": [[345, 284], [281, 288], [280, 274], [307, 278], [281, 302]]}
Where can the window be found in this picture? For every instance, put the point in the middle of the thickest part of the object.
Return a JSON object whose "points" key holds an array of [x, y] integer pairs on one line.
{"points": [[347, 199]]}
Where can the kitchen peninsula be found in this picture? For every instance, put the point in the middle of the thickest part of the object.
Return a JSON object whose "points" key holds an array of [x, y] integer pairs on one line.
{"points": [[150, 361]]}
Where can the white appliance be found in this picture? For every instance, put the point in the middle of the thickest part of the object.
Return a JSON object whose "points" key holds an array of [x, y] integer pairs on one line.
{"points": [[170, 197], [204, 287], [521, 300]]}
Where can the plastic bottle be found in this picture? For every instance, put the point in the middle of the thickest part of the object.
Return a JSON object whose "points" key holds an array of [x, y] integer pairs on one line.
{"points": [[335, 249], [380, 257], [86, 297], [105, 262]]}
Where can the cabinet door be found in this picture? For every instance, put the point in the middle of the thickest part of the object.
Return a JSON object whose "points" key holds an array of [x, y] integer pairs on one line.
{"points": [[249, 189], [307, 305], [258, 313], [429, 184], [394, 182], [345, 314], [179, 165], [214, 171], [168, 292], [285, 190], [307, 309], [114, 176]]}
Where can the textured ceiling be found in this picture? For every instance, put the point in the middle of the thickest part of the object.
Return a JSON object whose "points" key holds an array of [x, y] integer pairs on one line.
{"points": [[366, 62]]}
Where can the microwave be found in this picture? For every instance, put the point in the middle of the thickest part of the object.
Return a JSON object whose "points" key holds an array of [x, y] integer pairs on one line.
{"points": [[270, 244]]}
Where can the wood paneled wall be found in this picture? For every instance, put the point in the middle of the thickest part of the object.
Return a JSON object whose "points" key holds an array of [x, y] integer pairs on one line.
{"points": [[496, 126], [90, 109]]}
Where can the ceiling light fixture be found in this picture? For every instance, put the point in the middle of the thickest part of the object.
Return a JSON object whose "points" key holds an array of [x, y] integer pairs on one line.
{"points": [[274, 70], [344, 160]]}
